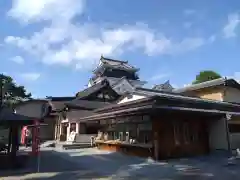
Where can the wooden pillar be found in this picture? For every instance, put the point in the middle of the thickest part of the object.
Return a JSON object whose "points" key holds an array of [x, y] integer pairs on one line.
{"points": [[155, 134], [14, 141], [156, 146], [9, 140], [68, 130], [13, 144]]}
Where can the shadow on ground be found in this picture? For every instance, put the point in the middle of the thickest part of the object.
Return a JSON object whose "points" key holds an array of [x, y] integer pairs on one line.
{"points": [[74, 165], [51, 167], [117, 166]]}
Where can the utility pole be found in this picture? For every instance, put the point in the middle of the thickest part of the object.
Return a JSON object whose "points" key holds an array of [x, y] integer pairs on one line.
{"points": [[1, 91]]}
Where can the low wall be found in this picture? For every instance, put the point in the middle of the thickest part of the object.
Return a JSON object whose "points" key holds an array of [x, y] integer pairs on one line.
{"points": [[83, 138], [218, 135], [125, 149], [235, 140]]}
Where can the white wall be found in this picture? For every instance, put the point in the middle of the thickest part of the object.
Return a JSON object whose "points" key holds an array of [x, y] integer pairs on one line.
{"points": [[47, 132], [133, 97], [218, 135], [82, 128]]}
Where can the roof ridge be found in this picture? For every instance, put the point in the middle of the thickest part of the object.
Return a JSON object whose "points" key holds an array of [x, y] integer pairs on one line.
{"points": [[115, 60]]}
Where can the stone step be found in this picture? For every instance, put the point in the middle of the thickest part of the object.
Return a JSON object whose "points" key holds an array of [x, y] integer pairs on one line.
{"points": [[76, 146]]}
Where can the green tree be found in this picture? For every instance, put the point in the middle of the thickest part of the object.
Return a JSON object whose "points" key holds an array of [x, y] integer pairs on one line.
{"points": [[206, 75], [10, 92]]}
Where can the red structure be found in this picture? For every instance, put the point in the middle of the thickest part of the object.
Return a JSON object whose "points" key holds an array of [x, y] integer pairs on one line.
{"points": [[35, 137], [23, 135]]}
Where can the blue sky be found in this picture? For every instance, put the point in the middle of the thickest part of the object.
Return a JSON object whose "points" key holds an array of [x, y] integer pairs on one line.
{"points": [[52, 46]]}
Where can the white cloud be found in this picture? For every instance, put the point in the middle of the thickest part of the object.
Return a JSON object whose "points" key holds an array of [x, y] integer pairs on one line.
{"points": [[18, 60], [31, 11], [188, 44], [230, 28], [65, 43], [189, 12], [32, 76]]}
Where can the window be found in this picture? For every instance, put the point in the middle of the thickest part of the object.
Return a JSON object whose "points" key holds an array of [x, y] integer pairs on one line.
{"points": [[130, 129]]}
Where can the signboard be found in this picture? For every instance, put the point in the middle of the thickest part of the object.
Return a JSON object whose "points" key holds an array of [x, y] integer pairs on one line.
{"points": [[121, 120], [132, 119]]}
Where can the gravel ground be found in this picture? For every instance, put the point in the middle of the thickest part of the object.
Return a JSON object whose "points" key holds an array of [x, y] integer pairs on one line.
{"points": [[118, 166], [94, 164], [52, 167]]}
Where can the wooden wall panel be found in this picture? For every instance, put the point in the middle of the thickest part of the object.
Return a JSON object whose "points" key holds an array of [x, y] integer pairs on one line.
{"points": [[165, 130]]}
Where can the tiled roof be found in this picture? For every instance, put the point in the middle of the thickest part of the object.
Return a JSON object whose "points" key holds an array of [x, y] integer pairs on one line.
{"points": [[74, 115], [165, 102], [120, 66], [58, 105], [178, 96], [116, 64], [150, 93], [169, 98], [90, 90], [113, 81], [164, 87], [112, 61], [66, 98], [8, 116]]}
